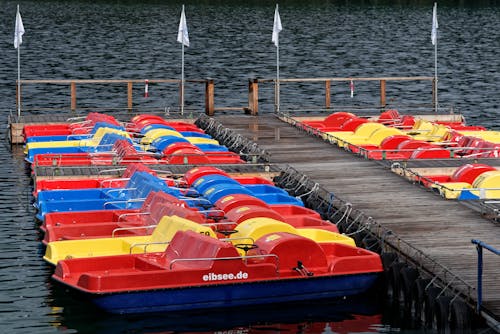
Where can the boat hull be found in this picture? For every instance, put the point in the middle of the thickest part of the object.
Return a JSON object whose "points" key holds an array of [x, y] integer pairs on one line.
{"points": [[235, 295]]}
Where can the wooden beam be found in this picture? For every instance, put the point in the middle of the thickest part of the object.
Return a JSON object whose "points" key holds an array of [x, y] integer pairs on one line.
{"points": [[382, 93], [209, 97], [129, 95], [73, 95], [328, 85], [253, 96]]}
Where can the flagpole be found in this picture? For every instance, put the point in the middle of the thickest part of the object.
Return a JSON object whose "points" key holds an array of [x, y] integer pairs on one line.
{"points": [[18, 74], [183, 38], [182, 77], [434, 39], [19, 81], [278, 78], [435, 77], [275, 39]]}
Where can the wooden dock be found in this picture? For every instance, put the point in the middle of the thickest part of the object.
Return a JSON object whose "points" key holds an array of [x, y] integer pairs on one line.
{"points": [[437, 233]]}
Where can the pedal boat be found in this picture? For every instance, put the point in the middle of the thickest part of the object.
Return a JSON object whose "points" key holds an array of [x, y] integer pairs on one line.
{"points": [[200, 272]]}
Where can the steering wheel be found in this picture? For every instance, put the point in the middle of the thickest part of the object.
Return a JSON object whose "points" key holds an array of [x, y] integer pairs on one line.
{"points": [[246, 247]]}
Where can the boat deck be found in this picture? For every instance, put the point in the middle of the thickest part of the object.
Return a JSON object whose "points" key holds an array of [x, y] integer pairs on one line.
{"points": [[436, 229]]}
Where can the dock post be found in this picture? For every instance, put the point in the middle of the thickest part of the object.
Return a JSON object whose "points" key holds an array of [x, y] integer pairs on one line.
{"points": [[73, 95], [129, 96], [209, 97], [253, 96], [328, 85], [382, 94]]}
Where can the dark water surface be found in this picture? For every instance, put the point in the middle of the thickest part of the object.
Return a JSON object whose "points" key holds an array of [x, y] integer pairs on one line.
{"points": [[230, 42]]}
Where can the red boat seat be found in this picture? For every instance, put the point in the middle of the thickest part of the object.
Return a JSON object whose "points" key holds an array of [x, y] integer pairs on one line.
{"points": [[229, 202], [244, 212], [430, 153], [191, 156], [136, 167], [469, 172], [338, 118], [389, 117], [392, 142], [188, 245], [193, 174]]}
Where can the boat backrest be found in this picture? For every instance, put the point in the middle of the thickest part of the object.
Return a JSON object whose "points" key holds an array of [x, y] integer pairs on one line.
{"points": [[102, 124], [189, 249], [217, 191], [254, 228], [229, 202], [390, 116], [338, 118], [244, 212], [143, 183], [322, 236], [193, 174], [170, 209], [379, 135], [353, 123], [488, 180], [469, 172], [366, 129], [204, 182], [136, 167], [169, 225]]}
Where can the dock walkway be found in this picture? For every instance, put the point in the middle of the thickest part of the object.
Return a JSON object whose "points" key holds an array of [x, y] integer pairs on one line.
{"points": [[439, 229]]}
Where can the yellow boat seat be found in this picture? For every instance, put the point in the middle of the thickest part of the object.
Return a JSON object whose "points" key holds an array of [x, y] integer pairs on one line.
{"points": [[437, 133], [202, 140], [153, 134], [321, 236], [421, 127], [375, 138], [156, 242], [487, 185], [365, 130], [93, 141]]}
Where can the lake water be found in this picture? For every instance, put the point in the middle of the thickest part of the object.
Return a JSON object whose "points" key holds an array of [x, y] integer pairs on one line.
{"points": [[230, 42]]}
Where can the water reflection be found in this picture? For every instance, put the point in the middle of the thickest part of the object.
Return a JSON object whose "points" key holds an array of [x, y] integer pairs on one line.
{"points": [[354, 315]]}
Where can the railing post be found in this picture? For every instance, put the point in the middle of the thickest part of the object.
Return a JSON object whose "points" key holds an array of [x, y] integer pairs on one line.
{"points": [[479, 249], [73, 95], [129, 95], [209, 97], [382, 94], [328, 85], [253, 96]]}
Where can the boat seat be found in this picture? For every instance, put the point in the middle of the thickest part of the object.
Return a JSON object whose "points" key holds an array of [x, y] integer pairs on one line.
{"points": [[195, 173], [229, 202], [322, 236], [187, 246], [244, 212]]}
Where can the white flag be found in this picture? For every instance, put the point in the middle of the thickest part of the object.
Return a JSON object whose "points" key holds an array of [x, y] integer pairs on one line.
{"points": [[182, 35], [276, 27], [434, 24], [19, 30]]}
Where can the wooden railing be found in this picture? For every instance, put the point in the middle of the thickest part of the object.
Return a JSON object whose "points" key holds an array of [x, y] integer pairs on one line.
{"points": [[253, 89], [209, 88]]}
